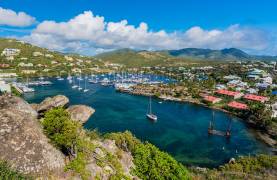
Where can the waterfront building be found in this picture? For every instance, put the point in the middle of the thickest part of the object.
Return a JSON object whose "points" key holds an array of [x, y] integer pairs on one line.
{"points": [[7, 75], [4, 87], [212, 99], [233, 94], [254, 97], [237, 105]]}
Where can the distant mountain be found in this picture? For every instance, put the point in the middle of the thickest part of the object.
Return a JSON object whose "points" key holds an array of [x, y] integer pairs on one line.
{"points": [[224, 54], [135, 58]]}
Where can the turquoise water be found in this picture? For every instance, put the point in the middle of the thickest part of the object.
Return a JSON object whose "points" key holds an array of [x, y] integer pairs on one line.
{"points": [[181, 129]]}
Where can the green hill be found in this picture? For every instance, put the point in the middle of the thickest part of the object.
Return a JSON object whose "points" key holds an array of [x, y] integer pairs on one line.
{"points": [[43, 59]]}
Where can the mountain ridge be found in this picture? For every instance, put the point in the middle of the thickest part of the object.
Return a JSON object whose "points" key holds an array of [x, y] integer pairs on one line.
{"points": [[225, 54]]}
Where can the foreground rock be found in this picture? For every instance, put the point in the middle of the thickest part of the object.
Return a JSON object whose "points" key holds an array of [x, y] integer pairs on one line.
{"points": [[104, 173], [49, 103], [18, 105], [23, 143], [80, 113]]}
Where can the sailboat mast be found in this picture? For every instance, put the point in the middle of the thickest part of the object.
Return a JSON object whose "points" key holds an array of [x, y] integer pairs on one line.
{"points": [[150, 105]]}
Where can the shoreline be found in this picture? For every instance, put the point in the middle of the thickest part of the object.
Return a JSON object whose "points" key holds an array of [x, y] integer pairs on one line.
{"points": [[260, 134]]}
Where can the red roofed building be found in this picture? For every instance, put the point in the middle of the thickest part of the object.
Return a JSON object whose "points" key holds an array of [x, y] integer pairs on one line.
{"points": [[254, 97], [237, 105], [234, 94], [212, 99], [4, 65]]}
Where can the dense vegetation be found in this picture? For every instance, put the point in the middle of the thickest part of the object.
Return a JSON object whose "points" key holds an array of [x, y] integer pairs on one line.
{"points": [[7, 173], [151, 163], [259, 167]]}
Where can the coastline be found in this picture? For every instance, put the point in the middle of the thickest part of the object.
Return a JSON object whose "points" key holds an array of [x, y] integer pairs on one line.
{"points": [[260, 134]]}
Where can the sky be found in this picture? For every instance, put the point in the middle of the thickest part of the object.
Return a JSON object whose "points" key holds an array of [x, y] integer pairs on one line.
{"points": [[94, 26]]}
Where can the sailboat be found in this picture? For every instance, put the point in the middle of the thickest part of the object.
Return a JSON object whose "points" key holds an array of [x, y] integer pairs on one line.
{"points": [[74, 85], [79, 87], [86, 90], [149, 114], [59, 78]]}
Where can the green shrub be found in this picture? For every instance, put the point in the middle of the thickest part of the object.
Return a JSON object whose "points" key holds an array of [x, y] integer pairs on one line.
{"points": [[7, 173], [61, 129], [253, 165], [150, 162]]}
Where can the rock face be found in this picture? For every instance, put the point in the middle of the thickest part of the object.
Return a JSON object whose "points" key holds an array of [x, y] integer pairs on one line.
{"points": [[23, 143], [49, 103], [80, 113], [17, 104], [104, 147]]}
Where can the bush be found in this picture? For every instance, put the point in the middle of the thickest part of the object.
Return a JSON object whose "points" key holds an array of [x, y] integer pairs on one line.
{"points": [[61, 129], [150, 162], [67, 135], [7, 173], [252, 165]]}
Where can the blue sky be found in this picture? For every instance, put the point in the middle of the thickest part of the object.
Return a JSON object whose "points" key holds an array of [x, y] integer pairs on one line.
{"points": [[142, 24]]}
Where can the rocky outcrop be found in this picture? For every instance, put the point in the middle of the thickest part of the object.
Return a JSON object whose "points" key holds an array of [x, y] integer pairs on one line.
{"points": [[52, 102], [17, 104], [125, 159], [23, 143], [80, 113]]}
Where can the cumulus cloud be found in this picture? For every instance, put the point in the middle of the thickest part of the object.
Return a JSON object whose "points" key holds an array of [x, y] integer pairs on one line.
{"points": [[10, 18], [91, 34]]}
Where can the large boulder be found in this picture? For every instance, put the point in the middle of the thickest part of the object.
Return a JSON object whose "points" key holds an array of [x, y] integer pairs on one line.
{"points": [[80, 113], [52, 102], [17, 104], [23, 143]]}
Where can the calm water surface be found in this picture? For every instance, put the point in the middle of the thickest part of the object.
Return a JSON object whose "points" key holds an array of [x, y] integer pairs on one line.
{"points": [[181, 128]]}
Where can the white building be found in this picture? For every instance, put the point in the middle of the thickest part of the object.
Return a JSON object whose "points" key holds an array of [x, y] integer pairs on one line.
{"points": [[7, 75], [10, 52], [274, 110], [22, 64], [267, 80], [37, 54], [49, 55], [5, 87]]}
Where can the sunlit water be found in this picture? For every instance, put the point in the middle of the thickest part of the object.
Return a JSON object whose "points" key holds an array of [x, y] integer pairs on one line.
{"points": [[181, 129]]}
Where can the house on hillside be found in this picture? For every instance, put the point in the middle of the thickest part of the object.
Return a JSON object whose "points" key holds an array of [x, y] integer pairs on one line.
{"points": [[10, 52], [37, 53]]}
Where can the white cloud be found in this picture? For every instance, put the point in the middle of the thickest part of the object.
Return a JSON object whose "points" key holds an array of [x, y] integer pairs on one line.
{"points": [[91, 34], [10, 18]]}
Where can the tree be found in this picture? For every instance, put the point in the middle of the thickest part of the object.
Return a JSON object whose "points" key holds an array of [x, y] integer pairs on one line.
{"points": [[61, 130]]}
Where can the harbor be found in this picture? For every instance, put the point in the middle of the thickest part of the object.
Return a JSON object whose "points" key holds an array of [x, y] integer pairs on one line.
{"points": [[180, 129]]}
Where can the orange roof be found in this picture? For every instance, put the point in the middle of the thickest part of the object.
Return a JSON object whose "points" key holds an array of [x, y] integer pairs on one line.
{"points": [[255, 97], [237, 105], [211, 98], [226, 92]]}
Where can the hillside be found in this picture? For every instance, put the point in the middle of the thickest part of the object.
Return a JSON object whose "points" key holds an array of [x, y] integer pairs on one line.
{"points": [[41, 61]]}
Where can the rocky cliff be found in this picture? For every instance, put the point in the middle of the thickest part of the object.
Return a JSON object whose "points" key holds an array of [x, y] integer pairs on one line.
{"points": [[27, 149], [23, 143]]}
